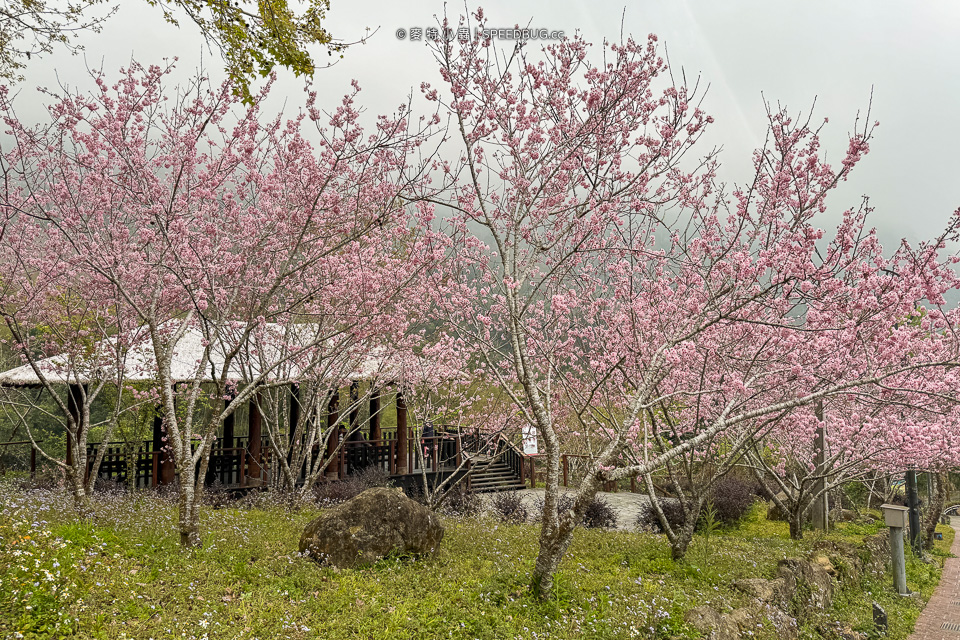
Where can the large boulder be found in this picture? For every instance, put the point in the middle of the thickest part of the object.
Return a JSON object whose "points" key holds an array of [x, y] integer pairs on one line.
{"points": [[374, 524]]}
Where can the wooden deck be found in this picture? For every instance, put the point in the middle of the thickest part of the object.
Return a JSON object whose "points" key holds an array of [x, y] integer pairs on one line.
{"points": [[240, 466]]}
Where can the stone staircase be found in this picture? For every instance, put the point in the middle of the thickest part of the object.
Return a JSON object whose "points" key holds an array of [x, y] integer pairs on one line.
{"points": [[488, 477]]}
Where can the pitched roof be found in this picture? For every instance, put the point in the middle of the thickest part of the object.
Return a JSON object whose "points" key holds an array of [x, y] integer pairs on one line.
{"points": [[139, 363]]}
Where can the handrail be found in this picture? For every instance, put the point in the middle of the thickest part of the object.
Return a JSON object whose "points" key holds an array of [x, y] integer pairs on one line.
{"points": [[33, 455], [517, 460]]}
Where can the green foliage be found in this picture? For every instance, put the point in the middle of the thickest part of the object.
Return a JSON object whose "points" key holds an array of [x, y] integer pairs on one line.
{"points": [[253, 37], [709, 526], [854, 605], [124, 575], [36, 580], [256, 37]]}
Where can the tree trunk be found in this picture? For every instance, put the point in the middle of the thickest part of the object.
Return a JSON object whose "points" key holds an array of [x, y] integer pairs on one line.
{"points": [[189, 516], [553, 544], [796, 523], [681, 542], [81, 501], [935, 508]]}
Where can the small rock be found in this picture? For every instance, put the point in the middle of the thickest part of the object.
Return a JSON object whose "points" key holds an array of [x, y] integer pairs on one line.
{"points": [[880, 618]]}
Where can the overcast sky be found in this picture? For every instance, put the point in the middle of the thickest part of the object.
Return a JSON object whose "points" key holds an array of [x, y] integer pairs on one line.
{"points": [[747, 50]]}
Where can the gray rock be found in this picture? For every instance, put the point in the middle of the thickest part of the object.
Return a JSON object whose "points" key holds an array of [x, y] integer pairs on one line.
{"points": [[374, 524], [773, 511], [766, 591], [844, 515], [711, 624], [810, 579], [880, 619], [786, 626]]}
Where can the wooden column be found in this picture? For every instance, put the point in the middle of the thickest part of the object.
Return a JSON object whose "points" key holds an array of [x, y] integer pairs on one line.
{"points": [[294, 418], [228, 442], [253, 443], [333, 433], [165, 466], [294, 411], [375, 414], [401, 433], [74, 402], [354, 410]]}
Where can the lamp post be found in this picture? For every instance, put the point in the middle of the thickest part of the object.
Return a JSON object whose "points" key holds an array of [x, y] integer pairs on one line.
{"points": [[895, 517]]}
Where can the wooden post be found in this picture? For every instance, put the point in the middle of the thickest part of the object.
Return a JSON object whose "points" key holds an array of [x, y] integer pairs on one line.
{"points": [[354, 407], [402, 466], [375, 414], [333, 437], [165, 463], [33, 462], [74, 402], [633, 484], [533, 473], [254, 440], [227, 444], [294, 418], [565, 470]]}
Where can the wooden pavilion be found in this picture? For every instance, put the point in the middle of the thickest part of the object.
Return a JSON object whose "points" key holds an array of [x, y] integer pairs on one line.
{"points": [[239, 462]]}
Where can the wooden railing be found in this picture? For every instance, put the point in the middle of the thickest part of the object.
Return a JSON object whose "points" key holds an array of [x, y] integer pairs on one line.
{"points": [[228, 466], [522, 464], [574, 465], [33, 455]]}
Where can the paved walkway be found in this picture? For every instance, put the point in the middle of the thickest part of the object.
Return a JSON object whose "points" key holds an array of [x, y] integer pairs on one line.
{"points": [[940, 619], [626, 505]]}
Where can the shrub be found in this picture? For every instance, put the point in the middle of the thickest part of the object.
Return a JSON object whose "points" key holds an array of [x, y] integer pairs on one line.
{"points": [[461, 502], [599, 514], [732, 499], [46, 478], [508, 507], [647, 517], [217, 496], [564, 503], [108, 486], [328, 494]]}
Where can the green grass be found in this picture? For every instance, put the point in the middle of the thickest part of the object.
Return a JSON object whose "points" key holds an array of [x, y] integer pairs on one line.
{"points": [[123, 575]]}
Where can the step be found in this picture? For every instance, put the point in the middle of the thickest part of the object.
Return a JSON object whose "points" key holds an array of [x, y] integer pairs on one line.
{"points": [[496, 488]]}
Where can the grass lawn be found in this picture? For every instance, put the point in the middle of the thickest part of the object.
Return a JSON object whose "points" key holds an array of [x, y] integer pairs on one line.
{"points": [[123, 575]]}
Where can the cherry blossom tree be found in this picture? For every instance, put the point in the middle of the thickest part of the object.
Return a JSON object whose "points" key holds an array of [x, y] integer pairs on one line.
{"points": [[72, 347], [199, 217], [618, 266]]}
